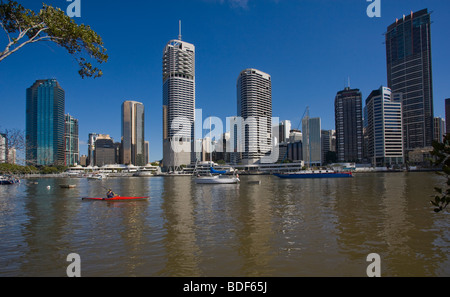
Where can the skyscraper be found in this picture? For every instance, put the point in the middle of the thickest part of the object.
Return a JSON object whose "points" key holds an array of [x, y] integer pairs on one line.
{"points": [[45, 123], [254, 107], [326, 143], [408, 56], [284, 128], [71, 148], [178, 103], [439, 129], [133, 142], [349, 125], [311, 143], [105, 152], [91, 148], [384, 127], [447, 115]]}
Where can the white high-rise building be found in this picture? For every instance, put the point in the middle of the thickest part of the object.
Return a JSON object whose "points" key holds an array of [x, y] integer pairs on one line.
{"points": [[178, 103], [254, 106], [384, 130]]}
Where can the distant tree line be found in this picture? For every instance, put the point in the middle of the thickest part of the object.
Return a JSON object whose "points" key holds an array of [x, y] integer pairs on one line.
{"points": [[14, 169]]}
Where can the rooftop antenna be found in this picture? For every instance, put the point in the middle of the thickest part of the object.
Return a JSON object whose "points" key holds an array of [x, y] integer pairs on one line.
{"points": [[179, 30], [349, 82]]}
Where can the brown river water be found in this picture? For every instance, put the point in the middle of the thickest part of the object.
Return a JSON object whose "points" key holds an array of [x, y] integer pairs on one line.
{"points": [[278, 228]]}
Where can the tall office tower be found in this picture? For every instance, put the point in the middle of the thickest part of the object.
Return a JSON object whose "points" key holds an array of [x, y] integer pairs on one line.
{"points": [[91, 148], [326, 143], [447, 115], [133, 142], [178, 103], [147, 152], [234, 143], [349, 125], [71, 148], [45, 123], [384, 127], [105, 152], [311, 143], [284, 129], [254, 106], [408, 56], [439, 129]]}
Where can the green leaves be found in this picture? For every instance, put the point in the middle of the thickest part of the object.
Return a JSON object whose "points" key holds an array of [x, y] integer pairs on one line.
{"points": [[441, 154], [52, 24]]}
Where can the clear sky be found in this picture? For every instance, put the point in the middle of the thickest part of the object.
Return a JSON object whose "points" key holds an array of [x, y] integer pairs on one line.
{"points": [[311, 48]]}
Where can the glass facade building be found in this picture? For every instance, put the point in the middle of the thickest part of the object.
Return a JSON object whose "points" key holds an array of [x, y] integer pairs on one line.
{"points": [[439, 129], [349, 125], [133, 142], [409, 71], [312, 143], [71, 148], [45, 103], [447, 115], [105, 150]]}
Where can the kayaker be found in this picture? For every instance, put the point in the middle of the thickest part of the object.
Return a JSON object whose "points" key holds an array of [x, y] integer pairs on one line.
{"points": [[110, 194]]}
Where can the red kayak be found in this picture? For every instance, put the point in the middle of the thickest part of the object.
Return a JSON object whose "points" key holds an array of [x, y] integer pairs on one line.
{"points": [[117, 198]]}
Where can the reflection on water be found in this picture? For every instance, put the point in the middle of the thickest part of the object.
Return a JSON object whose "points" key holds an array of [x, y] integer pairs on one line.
{"points": [[276, 228]]}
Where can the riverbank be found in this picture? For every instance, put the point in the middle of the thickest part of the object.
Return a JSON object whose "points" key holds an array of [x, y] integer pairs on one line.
{"points": [[129, 174]]}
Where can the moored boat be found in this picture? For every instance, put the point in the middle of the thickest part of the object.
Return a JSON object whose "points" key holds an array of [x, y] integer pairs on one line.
{"points": [[97, 176], [8, 180], [315, 174], [217, 179]]}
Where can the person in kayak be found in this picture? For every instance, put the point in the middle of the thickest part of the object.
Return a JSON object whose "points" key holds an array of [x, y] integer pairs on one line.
{"points": [[110, 194]]}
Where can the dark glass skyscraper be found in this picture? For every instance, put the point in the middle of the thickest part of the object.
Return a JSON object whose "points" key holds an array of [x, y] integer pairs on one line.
{"points": [[349, 125], [447, 115], [408, 56], [45, 123]]}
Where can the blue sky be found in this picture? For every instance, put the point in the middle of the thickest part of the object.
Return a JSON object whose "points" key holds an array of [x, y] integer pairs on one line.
{"points": [[309, 47]]}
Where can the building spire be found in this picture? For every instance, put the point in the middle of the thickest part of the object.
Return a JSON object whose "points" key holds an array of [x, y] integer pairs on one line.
{"points": [[179, 30]]}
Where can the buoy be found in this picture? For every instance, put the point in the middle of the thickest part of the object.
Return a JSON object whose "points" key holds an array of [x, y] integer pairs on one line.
{"points": [[48, 187]]}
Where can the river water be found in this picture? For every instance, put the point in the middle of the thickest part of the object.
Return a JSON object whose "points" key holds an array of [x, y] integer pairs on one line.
{"points": [[311, 227]]}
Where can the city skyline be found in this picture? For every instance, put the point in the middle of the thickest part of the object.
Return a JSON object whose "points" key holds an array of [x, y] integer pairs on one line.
{"points": [[364, 63]]}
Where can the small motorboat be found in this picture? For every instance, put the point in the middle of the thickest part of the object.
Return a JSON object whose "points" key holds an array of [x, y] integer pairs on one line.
{"points": [[217, 179]]}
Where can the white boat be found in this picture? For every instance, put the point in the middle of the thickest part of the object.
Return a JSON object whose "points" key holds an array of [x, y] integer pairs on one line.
{"points": [[144, 173], [217, 179], [98, 176], [214, 176]]}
